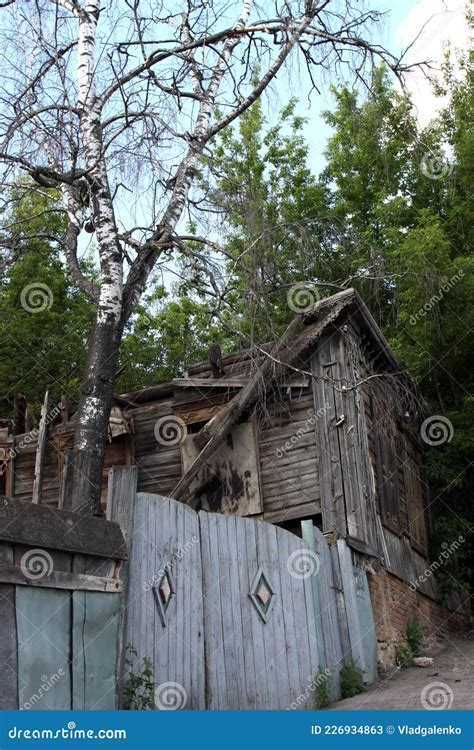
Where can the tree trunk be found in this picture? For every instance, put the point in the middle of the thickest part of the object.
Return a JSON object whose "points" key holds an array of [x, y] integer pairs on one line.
{"points": [[90, 441]]}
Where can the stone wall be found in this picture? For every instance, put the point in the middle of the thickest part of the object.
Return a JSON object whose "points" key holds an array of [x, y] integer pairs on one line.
{"points": [[394, 603]]}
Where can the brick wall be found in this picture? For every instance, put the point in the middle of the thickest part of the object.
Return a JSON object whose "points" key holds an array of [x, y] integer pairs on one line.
{"points": [[394, 603]]}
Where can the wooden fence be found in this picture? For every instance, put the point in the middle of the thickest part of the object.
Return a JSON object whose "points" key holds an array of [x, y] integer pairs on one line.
{"points": [[236, 613], [60, 608], [233, 613]]}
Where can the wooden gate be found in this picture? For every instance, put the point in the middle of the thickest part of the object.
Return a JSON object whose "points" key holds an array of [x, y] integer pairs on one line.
{"points": [[236, 613], [261, 648]]}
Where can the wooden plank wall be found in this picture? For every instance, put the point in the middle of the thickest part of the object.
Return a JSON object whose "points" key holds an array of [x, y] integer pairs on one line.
{"points": [[288, 456], [159, 464]]}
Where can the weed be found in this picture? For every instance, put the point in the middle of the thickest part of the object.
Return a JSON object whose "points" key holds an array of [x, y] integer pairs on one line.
{"points": [[403, 654], [140, 688], [352, 679], [323, 689]]}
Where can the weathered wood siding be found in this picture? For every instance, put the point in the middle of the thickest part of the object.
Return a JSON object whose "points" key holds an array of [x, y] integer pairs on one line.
{"points": [[346, 479], [289, 456], [159, 463]]}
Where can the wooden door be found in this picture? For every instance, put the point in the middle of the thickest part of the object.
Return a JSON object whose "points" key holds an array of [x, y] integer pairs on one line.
{"points": [[261, 645], [164, 604]]}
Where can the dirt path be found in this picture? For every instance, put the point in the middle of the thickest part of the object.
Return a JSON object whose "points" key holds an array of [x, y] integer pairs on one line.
{"points": [[453, 667]]}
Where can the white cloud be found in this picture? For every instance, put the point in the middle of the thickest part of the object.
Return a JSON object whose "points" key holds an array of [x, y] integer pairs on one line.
{"points": [[442, 21]]}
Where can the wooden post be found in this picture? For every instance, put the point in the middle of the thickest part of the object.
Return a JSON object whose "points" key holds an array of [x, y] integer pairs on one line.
{"points": [[40, 451], [19, 414], [121, 498], [64, 409]]}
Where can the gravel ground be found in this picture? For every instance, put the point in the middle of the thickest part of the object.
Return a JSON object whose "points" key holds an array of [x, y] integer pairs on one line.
{"points": [[453, 667]]}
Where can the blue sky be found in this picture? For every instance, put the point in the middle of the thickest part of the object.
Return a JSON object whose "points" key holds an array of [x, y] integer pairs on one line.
{"points": [[445, 22]]}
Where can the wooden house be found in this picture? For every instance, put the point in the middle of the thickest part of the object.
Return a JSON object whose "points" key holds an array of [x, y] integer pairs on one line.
{"points": [[323, 424]]}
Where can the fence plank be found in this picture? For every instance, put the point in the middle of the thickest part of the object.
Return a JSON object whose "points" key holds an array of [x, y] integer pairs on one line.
{"points": [[59, 580], [350, 599], [329, 607], [8, 639], [39, 526], [367, 625], [95, 621], [308, 533], [44, 622], [121, 491]]}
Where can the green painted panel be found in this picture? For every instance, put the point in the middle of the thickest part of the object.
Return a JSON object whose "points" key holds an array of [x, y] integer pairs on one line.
{"points": [[43, 623], [94, 648]]}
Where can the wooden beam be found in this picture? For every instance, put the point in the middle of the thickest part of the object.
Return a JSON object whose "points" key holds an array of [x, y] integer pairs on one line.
{"points": [[57, 579], [236, 382], [41, 526], [40, 451]]}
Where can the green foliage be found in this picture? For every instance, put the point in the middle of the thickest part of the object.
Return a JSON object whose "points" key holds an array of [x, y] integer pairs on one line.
{"points": [[323, 693], [351, 679], [140, 688], [44, 320], [415, 636], [403, 654]]}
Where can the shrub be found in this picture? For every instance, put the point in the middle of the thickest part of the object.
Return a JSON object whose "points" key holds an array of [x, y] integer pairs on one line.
{"points": [[352, 679], [415, 636]]}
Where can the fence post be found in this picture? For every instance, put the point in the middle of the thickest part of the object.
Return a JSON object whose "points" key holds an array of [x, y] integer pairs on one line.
{"points": [[121, 498]]}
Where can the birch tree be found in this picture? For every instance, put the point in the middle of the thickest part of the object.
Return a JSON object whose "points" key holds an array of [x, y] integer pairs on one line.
{"points": [[115, 103]]}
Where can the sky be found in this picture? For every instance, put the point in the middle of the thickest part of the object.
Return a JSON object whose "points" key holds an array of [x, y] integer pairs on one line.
{"points": [[441, 20]]}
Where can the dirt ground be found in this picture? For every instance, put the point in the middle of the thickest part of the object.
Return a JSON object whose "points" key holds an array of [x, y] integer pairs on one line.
{"points": [[408, 688]]}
